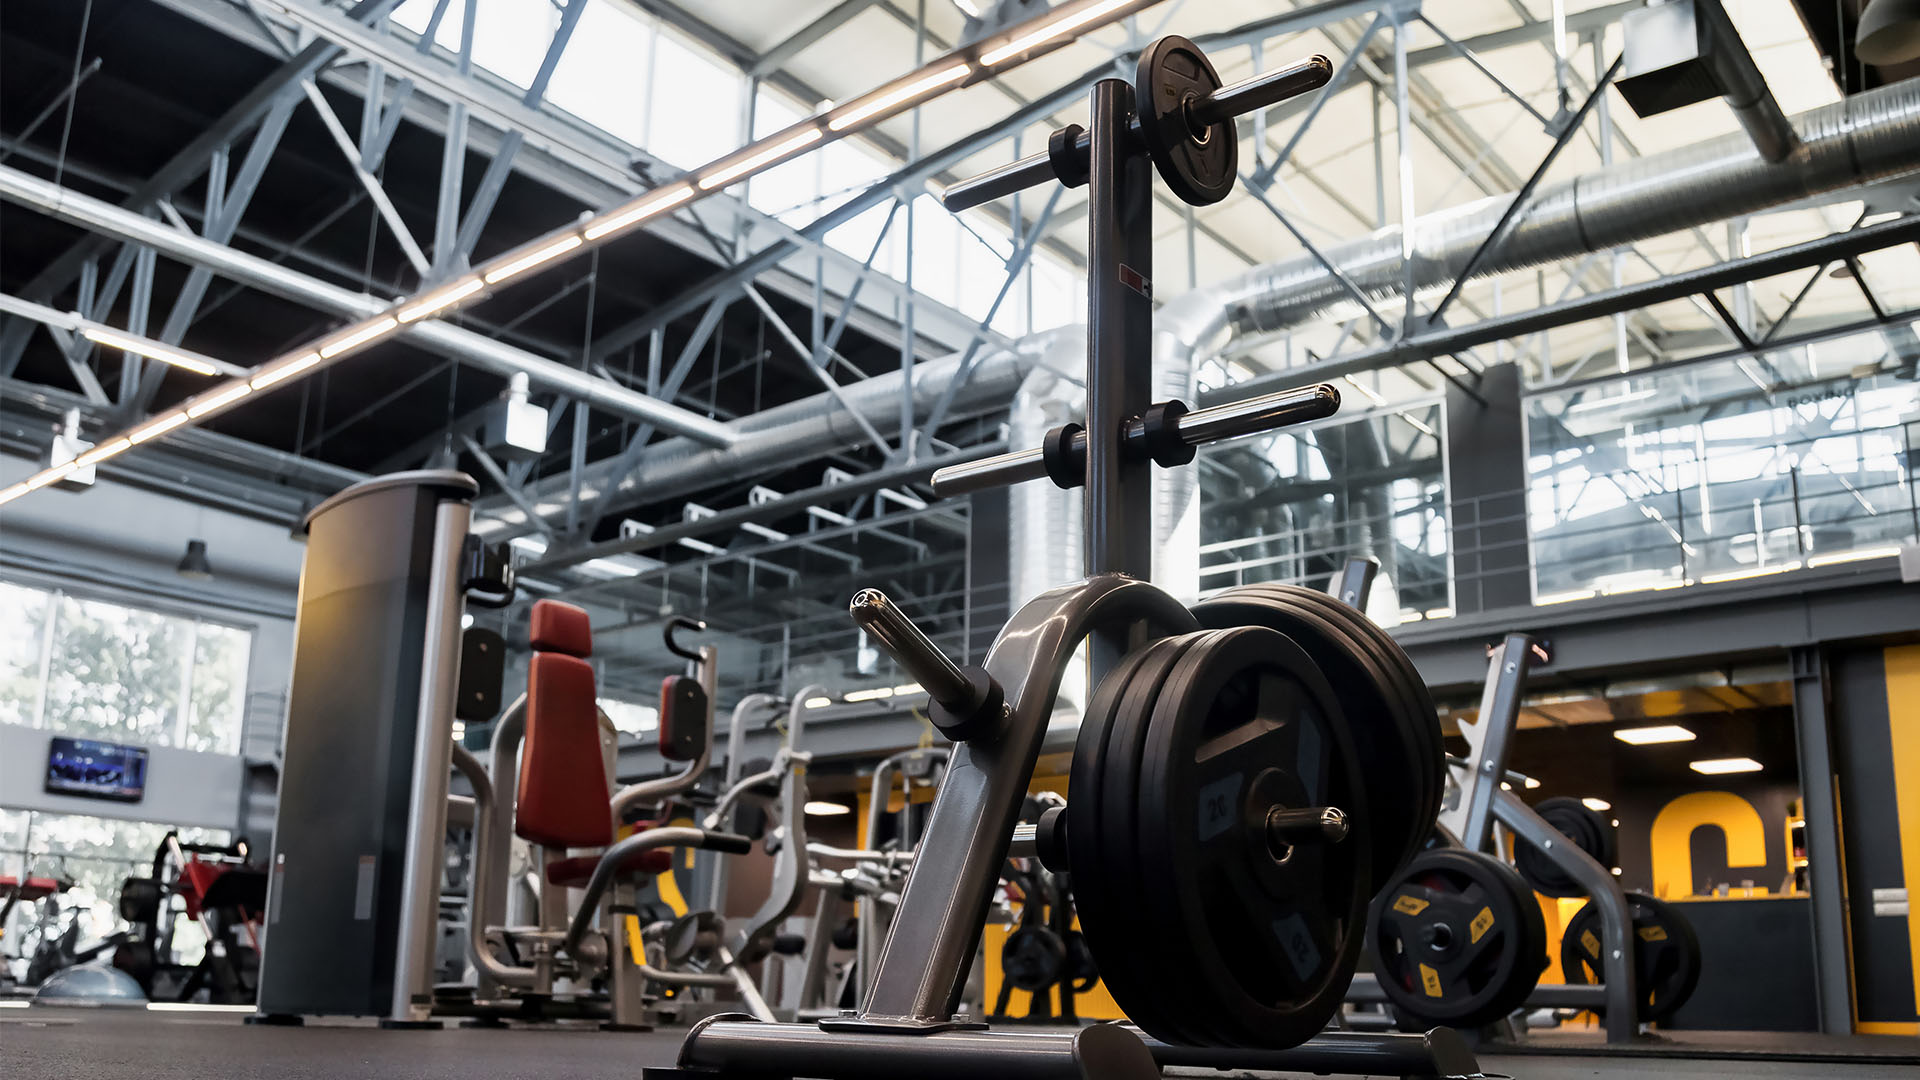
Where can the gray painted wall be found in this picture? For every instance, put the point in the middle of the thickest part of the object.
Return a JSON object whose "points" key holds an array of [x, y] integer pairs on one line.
{"points": [[184, 787], [120, 544]]}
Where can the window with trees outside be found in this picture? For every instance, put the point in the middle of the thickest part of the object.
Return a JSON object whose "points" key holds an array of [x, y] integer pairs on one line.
{"points": [[96, 855], [94, 669]]}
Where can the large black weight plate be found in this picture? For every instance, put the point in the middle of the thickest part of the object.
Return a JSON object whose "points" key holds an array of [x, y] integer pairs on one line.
{"points": [[1381, 714], [1666, 954], [1419, 720], [1108, 912], [1263, 937], [1457, 940], [1585, 829], [1176, 1014], [1199, 165], [1422, 716], [1033, 958]]}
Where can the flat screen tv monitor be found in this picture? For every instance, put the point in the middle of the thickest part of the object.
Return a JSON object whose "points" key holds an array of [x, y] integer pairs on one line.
{"points": [[93, 769]]}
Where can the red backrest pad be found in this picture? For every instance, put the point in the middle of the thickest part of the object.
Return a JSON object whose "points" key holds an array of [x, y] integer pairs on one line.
{"points": [[561, 628], [563, 801], [195, 879]]}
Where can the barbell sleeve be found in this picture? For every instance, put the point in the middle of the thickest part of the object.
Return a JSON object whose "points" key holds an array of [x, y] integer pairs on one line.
{"points": [[916, 654], [1223, 104], [1030, 171], [1196, 428], [1261, 91]]}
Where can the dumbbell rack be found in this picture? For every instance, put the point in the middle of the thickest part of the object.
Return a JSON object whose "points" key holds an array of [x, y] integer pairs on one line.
{"points": [[997, 715], [1483, 802]]}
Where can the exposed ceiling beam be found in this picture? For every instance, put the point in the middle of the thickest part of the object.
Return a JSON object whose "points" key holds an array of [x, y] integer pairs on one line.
{"points": [[448, 340], [834, 18]]}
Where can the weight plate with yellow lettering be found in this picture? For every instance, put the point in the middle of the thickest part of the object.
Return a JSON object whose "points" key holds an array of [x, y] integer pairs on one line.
{"points": [[1666, 954], [1456, 940]]}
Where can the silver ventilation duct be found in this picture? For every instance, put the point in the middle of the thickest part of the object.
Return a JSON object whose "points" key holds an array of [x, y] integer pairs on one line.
{"points": [[1869, 137], [1685, 51]]}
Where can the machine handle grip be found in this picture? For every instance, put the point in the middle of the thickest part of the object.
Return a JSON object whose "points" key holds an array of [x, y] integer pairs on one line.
{"points": [[727, 843]]}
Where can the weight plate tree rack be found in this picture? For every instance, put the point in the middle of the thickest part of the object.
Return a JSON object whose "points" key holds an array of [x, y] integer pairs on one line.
{"points": [[1482, 802], [1176, 118]]}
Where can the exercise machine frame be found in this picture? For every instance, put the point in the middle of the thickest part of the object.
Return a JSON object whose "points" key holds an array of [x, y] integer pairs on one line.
{"points": [[1483, 803]]}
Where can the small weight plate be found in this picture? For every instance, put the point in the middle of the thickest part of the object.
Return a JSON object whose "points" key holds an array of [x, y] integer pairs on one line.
{"points": [[1264, 937], [1457, 939], [1666, 954], [1198, 165], [1033, 958]]}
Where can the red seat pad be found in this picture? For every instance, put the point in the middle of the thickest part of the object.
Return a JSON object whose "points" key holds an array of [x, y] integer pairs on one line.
{"points": [[563, 801], [561, 628], [37, 887], [574, 873]]}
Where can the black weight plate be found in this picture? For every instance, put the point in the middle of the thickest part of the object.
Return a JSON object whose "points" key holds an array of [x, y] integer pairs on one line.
{"points": [[1583, 828], [1421, 727], [1170, 1008], [1263, 939], [1033, 958], [1419, 719], [1097, 879], [1162, 1004], [1199, 166], [1424, 718], [140, 900], [1457, 940], [1095, 897], [1082, 969], [1375, 715], [1370, 701], [1666, 954]]}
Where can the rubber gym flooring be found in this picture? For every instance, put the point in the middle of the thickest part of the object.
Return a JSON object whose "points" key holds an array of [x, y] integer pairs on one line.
{"points": [[79, 1044]]}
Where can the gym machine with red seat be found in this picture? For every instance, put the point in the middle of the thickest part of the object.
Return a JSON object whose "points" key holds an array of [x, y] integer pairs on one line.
{"points": [[556, 741]]}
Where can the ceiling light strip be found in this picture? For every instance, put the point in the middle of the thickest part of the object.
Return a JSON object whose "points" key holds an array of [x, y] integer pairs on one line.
{"points": [[1005, 51]]}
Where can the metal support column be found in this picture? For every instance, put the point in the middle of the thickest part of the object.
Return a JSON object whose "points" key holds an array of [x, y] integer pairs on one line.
{"points": [[1119, 532], [1826, 868], [432, 762]]}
